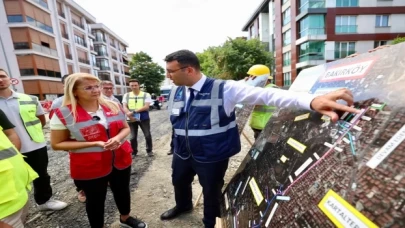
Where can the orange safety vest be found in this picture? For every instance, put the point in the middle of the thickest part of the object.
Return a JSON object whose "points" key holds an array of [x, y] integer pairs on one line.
{"points": [[94, 162]]}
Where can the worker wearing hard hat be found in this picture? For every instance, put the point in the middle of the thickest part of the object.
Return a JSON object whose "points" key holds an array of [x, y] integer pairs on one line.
{"points": [[261, 113]]}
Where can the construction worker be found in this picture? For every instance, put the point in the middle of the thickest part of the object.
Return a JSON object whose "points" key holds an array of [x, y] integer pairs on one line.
{"points": [[15, 183], [93, 130], [26, 114], [261, 113], [107, 89], [202, 112], [136, 106]]}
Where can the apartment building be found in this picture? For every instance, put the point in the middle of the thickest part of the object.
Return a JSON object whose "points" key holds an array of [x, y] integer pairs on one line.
{"points": [[42, 40], [306, 33], [111, 57]]}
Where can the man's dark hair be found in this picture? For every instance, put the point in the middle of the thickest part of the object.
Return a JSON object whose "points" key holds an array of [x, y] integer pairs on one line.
{"points": [[133, 80], [184, 58], [64, 78]]}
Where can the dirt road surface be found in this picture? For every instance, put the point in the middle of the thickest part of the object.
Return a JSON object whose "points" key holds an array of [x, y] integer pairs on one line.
{"points": [[151, 187]]}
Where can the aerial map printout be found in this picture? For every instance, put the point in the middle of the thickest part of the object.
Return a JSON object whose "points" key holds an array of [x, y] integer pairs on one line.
{"points": [[306, 171]]}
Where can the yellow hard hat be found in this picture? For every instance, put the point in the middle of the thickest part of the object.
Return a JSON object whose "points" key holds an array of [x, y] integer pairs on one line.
{"points": [[259, 69]]}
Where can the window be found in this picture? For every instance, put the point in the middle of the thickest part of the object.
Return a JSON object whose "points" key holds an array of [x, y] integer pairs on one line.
{"points": [[27, 72], [285, 1], [343, 49], [305, 4], [21, 45], [347, 3], [287, 78], [14, 18], [252, 30], [312, 25], [346, 24], [380, 43], [49, 73], [287, 59], [45, 44], [287, 16], [311, 50], [381, 20], [287, 38], [101, 50]]}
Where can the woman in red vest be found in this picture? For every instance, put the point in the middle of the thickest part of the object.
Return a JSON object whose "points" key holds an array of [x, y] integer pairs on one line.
{"points": [[93, 130]]}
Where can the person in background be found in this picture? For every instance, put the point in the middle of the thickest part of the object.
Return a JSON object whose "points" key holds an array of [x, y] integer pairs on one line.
{"points": [[202, 112], [107, 88], [93, 130], [137, 102], [261, 113], [153, 96], [15, 183], [58, 101], [26, 114]]}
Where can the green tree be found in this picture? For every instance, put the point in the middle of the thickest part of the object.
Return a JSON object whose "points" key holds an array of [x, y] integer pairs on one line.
{"points": [[148, 73], [234, 58], [398, 40]]}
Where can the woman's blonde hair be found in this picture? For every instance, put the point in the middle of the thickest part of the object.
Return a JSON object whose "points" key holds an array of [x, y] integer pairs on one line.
{"points": [[71, 85]]}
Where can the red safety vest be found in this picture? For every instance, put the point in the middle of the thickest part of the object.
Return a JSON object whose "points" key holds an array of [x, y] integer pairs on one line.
{"points": [[94, 162]]}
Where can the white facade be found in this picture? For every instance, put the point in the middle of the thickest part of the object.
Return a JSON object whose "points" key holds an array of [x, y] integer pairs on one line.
{"points": [[67, 47]]}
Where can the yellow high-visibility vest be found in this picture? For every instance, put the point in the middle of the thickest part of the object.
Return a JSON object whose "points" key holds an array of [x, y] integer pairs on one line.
{"points": [[135, 102], [28, 110], [15, 178], [261, 114]]}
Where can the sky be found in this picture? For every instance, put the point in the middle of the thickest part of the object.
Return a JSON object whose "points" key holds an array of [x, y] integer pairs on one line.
{"points": [[159, 27]]}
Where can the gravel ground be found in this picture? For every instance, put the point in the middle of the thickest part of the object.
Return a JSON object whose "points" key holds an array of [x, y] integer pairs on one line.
{"points": [[152, 191]]}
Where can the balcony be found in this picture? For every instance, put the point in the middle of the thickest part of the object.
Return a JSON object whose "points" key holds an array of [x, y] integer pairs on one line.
{"points": [[62, 14], [38, 24], [342, 29], [65, 35], [44, 50], [81, 42], [105, 68], [310, 4], [104, 76], [102, 54], [85, 61], [68, 56], [311, 58], [127, 73], [113, 45], [78, 24], [114, 57], [116, 70]]}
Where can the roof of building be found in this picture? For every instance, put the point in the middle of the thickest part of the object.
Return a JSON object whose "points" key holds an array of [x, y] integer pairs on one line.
{"points": [[263, 8], [109, 31]]}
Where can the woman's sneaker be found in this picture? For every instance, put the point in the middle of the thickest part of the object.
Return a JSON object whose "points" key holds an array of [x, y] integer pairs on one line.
{"points": [[132, 222]]}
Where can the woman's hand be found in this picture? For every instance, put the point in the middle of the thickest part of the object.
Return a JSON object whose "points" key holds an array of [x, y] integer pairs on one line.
{"points": [[112, 144], [100, 144]]}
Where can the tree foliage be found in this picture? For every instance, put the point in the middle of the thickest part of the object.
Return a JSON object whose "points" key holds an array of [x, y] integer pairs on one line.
{"points": [[398, 40], [148, 73], [234, 58]]}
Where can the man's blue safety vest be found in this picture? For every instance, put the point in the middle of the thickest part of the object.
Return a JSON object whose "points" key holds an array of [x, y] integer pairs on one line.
{"points": [[203, 130]]}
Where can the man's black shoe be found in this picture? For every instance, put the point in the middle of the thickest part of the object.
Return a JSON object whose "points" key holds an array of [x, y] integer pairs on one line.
{"points": [[174, 212]]}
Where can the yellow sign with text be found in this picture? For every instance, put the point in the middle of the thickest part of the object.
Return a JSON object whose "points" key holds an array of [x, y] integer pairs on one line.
{"points": [[256, 191], [342, 214]]}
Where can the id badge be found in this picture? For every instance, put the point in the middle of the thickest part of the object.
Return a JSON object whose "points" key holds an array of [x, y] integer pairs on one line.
{"points": [[176, 112]]}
